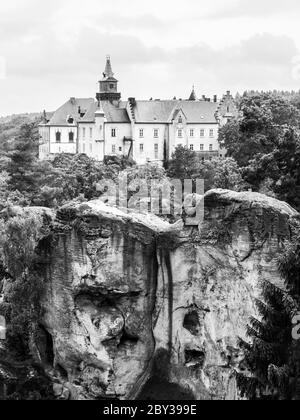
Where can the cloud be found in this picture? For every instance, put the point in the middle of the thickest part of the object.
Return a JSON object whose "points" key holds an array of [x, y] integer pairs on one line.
{"points": [[23, 18], [52, 55], [254, 8], [260, 62], [111, 21]]}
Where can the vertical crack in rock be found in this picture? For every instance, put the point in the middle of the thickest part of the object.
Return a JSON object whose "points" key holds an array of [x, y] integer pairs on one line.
{"points": [[170, 299]]}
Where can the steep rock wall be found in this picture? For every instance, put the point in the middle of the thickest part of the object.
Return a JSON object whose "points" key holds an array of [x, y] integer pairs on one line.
{"points": [[137, 308], [208, 280]]}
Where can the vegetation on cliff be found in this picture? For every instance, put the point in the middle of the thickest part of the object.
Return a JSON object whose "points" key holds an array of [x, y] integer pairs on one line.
{"points": [[273, 357], [22, 288]]}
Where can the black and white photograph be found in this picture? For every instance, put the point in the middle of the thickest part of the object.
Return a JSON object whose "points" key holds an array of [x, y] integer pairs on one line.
{"points": [[149, 203]]}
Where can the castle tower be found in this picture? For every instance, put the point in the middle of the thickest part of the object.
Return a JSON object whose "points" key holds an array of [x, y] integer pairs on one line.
{"points": [[108, 85]]}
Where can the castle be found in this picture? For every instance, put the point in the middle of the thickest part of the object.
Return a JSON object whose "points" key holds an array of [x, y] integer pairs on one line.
{"points": [[147, 131]]}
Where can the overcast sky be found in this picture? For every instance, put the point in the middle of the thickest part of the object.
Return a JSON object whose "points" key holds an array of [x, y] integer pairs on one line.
{"points": [[50, 51]]}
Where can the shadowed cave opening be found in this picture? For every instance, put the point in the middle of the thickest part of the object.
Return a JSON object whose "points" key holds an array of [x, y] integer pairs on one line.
{"points": [[191, 322], [45, 345], [195, 358], [158, 387], [128, 339]]}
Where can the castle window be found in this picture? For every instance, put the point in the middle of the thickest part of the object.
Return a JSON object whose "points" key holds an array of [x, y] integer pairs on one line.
{"points": [[141, 133], [111, 86], [91, 132], [211, 133], [83, 132], [156, 132], [228, 108], [113, 148], [113, 132], [141, 148], [192, 133], [210, 147], [192, 147], [180, 120], [202, 132], [180, 133], [156, 151], [58, 137], [201, 147], [71, 137]]}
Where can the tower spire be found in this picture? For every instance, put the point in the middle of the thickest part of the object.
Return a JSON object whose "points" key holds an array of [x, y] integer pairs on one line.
{"points": [[108, 68], [193, 96]]}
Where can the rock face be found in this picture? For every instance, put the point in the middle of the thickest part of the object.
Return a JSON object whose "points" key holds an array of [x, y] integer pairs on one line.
{"points": [[135, 308]]}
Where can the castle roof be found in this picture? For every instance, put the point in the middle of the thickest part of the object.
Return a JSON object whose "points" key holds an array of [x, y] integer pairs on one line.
{"points": [[164, 111], [71, 109], [112, 113], [158, 111]]}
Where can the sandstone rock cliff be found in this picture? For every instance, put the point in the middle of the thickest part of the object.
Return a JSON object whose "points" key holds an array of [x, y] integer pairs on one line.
{"points": [[136, 308]]}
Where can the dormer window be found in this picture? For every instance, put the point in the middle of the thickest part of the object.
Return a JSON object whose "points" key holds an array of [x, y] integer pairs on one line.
{"points": [[70, 120]]}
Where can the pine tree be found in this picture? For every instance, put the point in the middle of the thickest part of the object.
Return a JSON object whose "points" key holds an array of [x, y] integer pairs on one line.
{"points": [[22, 167], [267, 356], [273, 357]]}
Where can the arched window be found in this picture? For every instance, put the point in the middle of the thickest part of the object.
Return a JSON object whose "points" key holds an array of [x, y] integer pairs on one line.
{"points": [[58, 137], [71, 137]]}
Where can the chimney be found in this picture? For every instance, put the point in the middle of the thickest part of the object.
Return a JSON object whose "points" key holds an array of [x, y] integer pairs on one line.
{"points": [[79, 110], [215, 98], [132, 102], [72, 100], [228, 93]]}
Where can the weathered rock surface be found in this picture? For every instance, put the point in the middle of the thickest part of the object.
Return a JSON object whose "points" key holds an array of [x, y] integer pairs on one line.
{"points": [[137, 308]]}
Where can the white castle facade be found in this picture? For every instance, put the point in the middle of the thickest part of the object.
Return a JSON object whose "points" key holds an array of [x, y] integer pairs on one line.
{"points": [[147, 131]]}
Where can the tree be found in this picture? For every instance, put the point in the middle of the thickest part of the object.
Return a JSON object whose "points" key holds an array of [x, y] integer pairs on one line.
{"points": [[273, 357], [183, 164], [264, 118], [222, 173], [267, 357], [22, 167], [280, 168]]}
